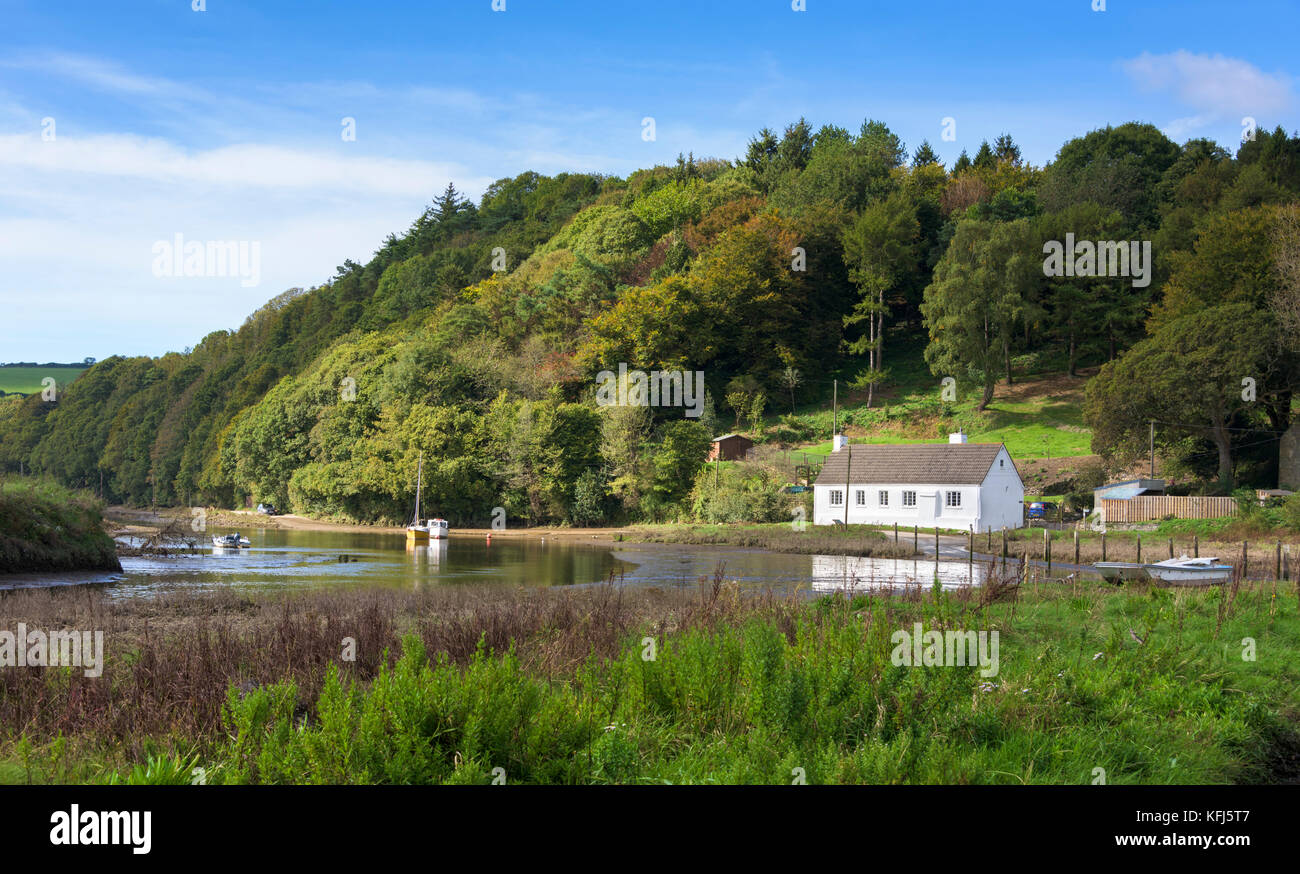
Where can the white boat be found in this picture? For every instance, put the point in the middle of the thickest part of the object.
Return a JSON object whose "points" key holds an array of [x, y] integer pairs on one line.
{"points": [[1186, 571], [1121, 571], [231, 541], [1182, 571], [429, 529]]}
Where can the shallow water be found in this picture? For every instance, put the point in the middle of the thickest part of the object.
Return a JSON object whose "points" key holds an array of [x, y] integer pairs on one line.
{"points": [[290, 559]]}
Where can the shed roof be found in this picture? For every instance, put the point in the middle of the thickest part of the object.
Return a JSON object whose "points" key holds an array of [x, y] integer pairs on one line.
{"points": [[937, 463]]}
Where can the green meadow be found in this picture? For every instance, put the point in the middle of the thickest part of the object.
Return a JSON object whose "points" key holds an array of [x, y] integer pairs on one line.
{"points": [[29, 380]]}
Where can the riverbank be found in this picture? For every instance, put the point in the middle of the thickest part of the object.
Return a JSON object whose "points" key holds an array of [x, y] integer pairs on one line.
{"points": [[702, 685], [776, 537], [45, 527]]}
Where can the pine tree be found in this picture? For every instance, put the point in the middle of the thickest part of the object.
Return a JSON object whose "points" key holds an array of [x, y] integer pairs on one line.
{"points": [[924, 155]]}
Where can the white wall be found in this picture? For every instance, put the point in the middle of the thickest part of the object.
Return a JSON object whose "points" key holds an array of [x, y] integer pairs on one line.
{"points": [[930, 507], [1002, 496]]}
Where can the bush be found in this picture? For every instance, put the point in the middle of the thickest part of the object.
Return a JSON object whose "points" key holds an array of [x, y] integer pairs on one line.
{"points": [[744, 493]]}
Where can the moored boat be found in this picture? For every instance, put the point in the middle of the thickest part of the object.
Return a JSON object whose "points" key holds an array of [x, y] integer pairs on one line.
{"points": [[231, 541], [1182, 571], [429, 529], [1186, 571], [1121, 571]]}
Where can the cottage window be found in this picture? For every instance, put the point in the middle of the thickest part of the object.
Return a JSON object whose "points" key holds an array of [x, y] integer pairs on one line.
{"points": [[882, 498], [909, 499], [952, 499], [837, 497], [860, 498]]}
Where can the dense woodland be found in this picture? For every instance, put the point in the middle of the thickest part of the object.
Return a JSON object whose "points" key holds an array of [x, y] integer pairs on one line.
{"points": [[819, 251]]}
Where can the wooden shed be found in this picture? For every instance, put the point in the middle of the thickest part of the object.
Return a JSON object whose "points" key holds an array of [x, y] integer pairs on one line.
{"points": [[730, 447]]}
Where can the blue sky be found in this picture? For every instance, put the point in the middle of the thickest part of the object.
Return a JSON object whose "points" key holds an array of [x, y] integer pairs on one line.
{"points": [[226, 124]]}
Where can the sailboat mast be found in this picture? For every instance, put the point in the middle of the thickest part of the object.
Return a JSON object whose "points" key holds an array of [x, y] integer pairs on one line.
{"points": [[419, 481]]}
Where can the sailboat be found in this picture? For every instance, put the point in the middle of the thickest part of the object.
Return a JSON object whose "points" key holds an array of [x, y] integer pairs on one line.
{"points": [[418, 532]]}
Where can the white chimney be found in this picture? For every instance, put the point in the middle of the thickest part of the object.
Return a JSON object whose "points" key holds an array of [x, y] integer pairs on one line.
{"points": [[959, 437], [839, 442]]}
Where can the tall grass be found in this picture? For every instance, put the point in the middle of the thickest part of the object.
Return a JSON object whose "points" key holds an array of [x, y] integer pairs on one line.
{"points": [[608, 686]]}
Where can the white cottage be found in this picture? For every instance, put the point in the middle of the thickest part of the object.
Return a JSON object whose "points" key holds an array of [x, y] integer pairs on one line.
{"points": [[947, 485]]}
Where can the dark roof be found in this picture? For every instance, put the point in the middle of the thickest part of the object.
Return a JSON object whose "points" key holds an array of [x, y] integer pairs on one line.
{"points": [[936, 463], [729, 436]]}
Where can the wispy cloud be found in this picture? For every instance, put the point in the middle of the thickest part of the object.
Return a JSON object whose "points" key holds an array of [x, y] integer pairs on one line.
{"points": [[1217, 88], [239, 166]]}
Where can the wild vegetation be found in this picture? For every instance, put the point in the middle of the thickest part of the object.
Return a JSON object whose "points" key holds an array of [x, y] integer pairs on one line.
{"points": [[45, 526], [562, 686], [474, 338]]}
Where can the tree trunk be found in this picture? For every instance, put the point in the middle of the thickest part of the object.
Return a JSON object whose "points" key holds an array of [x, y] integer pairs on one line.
{"points": [[988, 396], [1006, 358], [1223, 442]]}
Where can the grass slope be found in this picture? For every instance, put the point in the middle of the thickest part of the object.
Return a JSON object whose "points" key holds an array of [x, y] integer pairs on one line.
{"points": [[46, 527]]}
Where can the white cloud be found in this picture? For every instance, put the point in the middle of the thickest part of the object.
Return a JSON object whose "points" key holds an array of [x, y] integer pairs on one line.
{"points": [[1215, 86], [260, 166]]}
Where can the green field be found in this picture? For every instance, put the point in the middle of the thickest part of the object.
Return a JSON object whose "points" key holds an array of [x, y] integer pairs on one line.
{"points": [[28, 380]]}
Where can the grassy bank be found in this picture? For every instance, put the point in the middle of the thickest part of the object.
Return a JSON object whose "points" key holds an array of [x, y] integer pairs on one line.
{"points": [[1167, 539], [782, 537], [46, 527], [602, 685]]}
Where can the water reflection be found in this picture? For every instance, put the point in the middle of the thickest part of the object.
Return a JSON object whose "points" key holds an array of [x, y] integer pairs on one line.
{"points": [[287, 559], [856, 574]]}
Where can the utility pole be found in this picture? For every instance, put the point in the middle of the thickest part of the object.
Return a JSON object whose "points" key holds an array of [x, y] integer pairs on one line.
{"points": [[835, 410], [848, 476], [1151, 444]]}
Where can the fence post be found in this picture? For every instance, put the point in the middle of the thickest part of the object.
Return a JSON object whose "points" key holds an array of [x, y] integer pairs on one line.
{"points": [[1103, 546], [895, 532], [1196, 546], [1278, 569], [970, 560], [1245, 557], [1076, 546], [1171, 547], [1139, 558], [915, 539], [1047, 549]]}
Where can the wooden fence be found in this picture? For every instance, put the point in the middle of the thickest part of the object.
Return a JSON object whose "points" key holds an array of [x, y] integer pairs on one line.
{"points": [[1148, 508]]}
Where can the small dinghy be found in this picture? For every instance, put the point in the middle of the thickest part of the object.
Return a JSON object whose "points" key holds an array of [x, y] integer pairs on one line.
{"points": [[1182, 571], [1189, 571], [231, 541], [1121, 571]]}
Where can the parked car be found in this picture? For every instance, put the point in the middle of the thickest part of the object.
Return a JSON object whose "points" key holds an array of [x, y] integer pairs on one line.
{"points": [[1041, 509], [268, 510]]}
